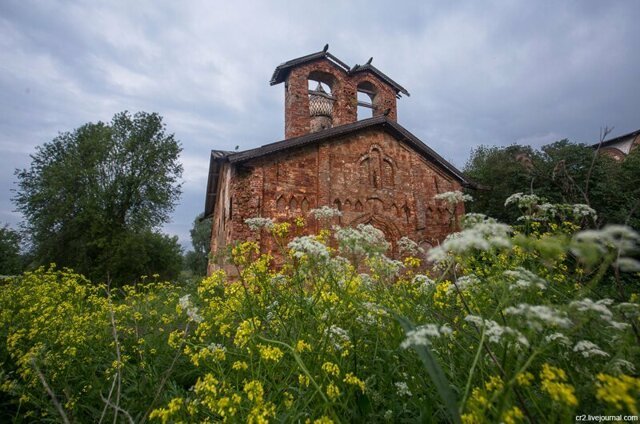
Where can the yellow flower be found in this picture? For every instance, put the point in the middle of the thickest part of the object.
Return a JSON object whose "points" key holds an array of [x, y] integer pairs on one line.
{"points": [[524, 379], [323, 420], [331, 369], [245, 330], [288, 400], [303, 380], [512, 416], [270, 353], [300, 222], [333, 391], [301, 346], [552, 383], [494, 384], [254, 391], [353, 380], [239, 365], [620, 392]]}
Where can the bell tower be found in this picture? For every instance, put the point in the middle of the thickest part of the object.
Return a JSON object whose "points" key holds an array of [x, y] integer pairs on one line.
{"points": [[322, 92]]}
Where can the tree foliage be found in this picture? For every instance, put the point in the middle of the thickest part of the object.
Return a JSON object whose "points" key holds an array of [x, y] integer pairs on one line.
{"points": [[561, 172], [10, 258], [89, 190], [196, 261]]}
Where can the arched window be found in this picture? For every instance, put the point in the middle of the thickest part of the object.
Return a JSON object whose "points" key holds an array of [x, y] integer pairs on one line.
{"points": [[320, 86], [366, 95]]}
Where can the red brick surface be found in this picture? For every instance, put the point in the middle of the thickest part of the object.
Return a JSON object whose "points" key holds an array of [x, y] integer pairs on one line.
{"points": [[370, 176]]}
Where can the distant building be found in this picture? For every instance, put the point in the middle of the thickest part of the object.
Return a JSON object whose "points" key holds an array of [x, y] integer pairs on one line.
{"points": [[621, 146], [370, 168]]}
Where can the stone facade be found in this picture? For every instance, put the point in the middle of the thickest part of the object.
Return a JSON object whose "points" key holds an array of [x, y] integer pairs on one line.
{"points": [[374, 171]]}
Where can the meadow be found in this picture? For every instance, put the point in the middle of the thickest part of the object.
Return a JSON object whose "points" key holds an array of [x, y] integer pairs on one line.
{"points": [[537, 322]]}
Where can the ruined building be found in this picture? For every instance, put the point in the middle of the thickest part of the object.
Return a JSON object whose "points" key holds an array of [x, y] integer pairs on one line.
{"points": [[369, 167]]}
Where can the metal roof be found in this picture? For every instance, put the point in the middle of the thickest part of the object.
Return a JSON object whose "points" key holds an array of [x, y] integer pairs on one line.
{"points": [[382, 122], [617, 139], [282, 71]]}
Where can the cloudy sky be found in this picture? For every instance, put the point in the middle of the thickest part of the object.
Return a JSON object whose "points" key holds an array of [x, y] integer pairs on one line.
{"points": [[479, 72]]}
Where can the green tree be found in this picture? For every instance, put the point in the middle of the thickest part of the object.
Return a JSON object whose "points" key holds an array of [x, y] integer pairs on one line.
{"points": [[197, 260], [561, 172], [88, 190], [10, 258]]}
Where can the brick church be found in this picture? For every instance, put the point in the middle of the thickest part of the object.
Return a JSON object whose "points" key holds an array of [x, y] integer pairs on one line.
{"points": [[343, 148]]}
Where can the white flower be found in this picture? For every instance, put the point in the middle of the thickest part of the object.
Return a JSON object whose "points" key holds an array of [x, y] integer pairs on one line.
{"points": [[559, 337], [621, 366], [365, 239], [483, 236], [402, 389], [522, 200], [409, 247], [495, 331], [580, 210], [537, 315], [214, 347], [600, 307], [589, 349], [258, 223], [525, 278], [338, 336], [423, 282], [628, 264], [621, 238], [453, 197], [419, 336], [463, 283], [308, 246], [471, 219], [325, 212], [192, 312]]}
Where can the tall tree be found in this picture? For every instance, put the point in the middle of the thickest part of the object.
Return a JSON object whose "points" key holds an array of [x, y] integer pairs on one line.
{"points": [[198, 259], [10, 258], [88, 190], [558, 172]]}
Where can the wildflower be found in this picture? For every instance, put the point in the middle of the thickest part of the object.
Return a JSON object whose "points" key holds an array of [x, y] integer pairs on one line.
{"points": [[259, 223], [325, 212], [600, 307], [245, 330], [303, 380], [363, 240], [240, 365], [553, 384], [308, 246], [495, 331], [406, 246], [494, 384], [522, 200], [453, 197], [589, 349], [254, 391], [423, 282], [402, 389], [192, 312], [512, 416], [350, 378], [618, 365], [561, 338], [338, 336], [331, 369], [524, 379], [525, 278], [419, 336], [301, 346], [333, 391], [619, 392], [270, 353], [323, 420], [537, 315], [463, 283], [482, 236]]}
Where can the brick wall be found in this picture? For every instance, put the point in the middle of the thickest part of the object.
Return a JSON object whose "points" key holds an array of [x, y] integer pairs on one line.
{"points": [[343, 88], [370, 176]]}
